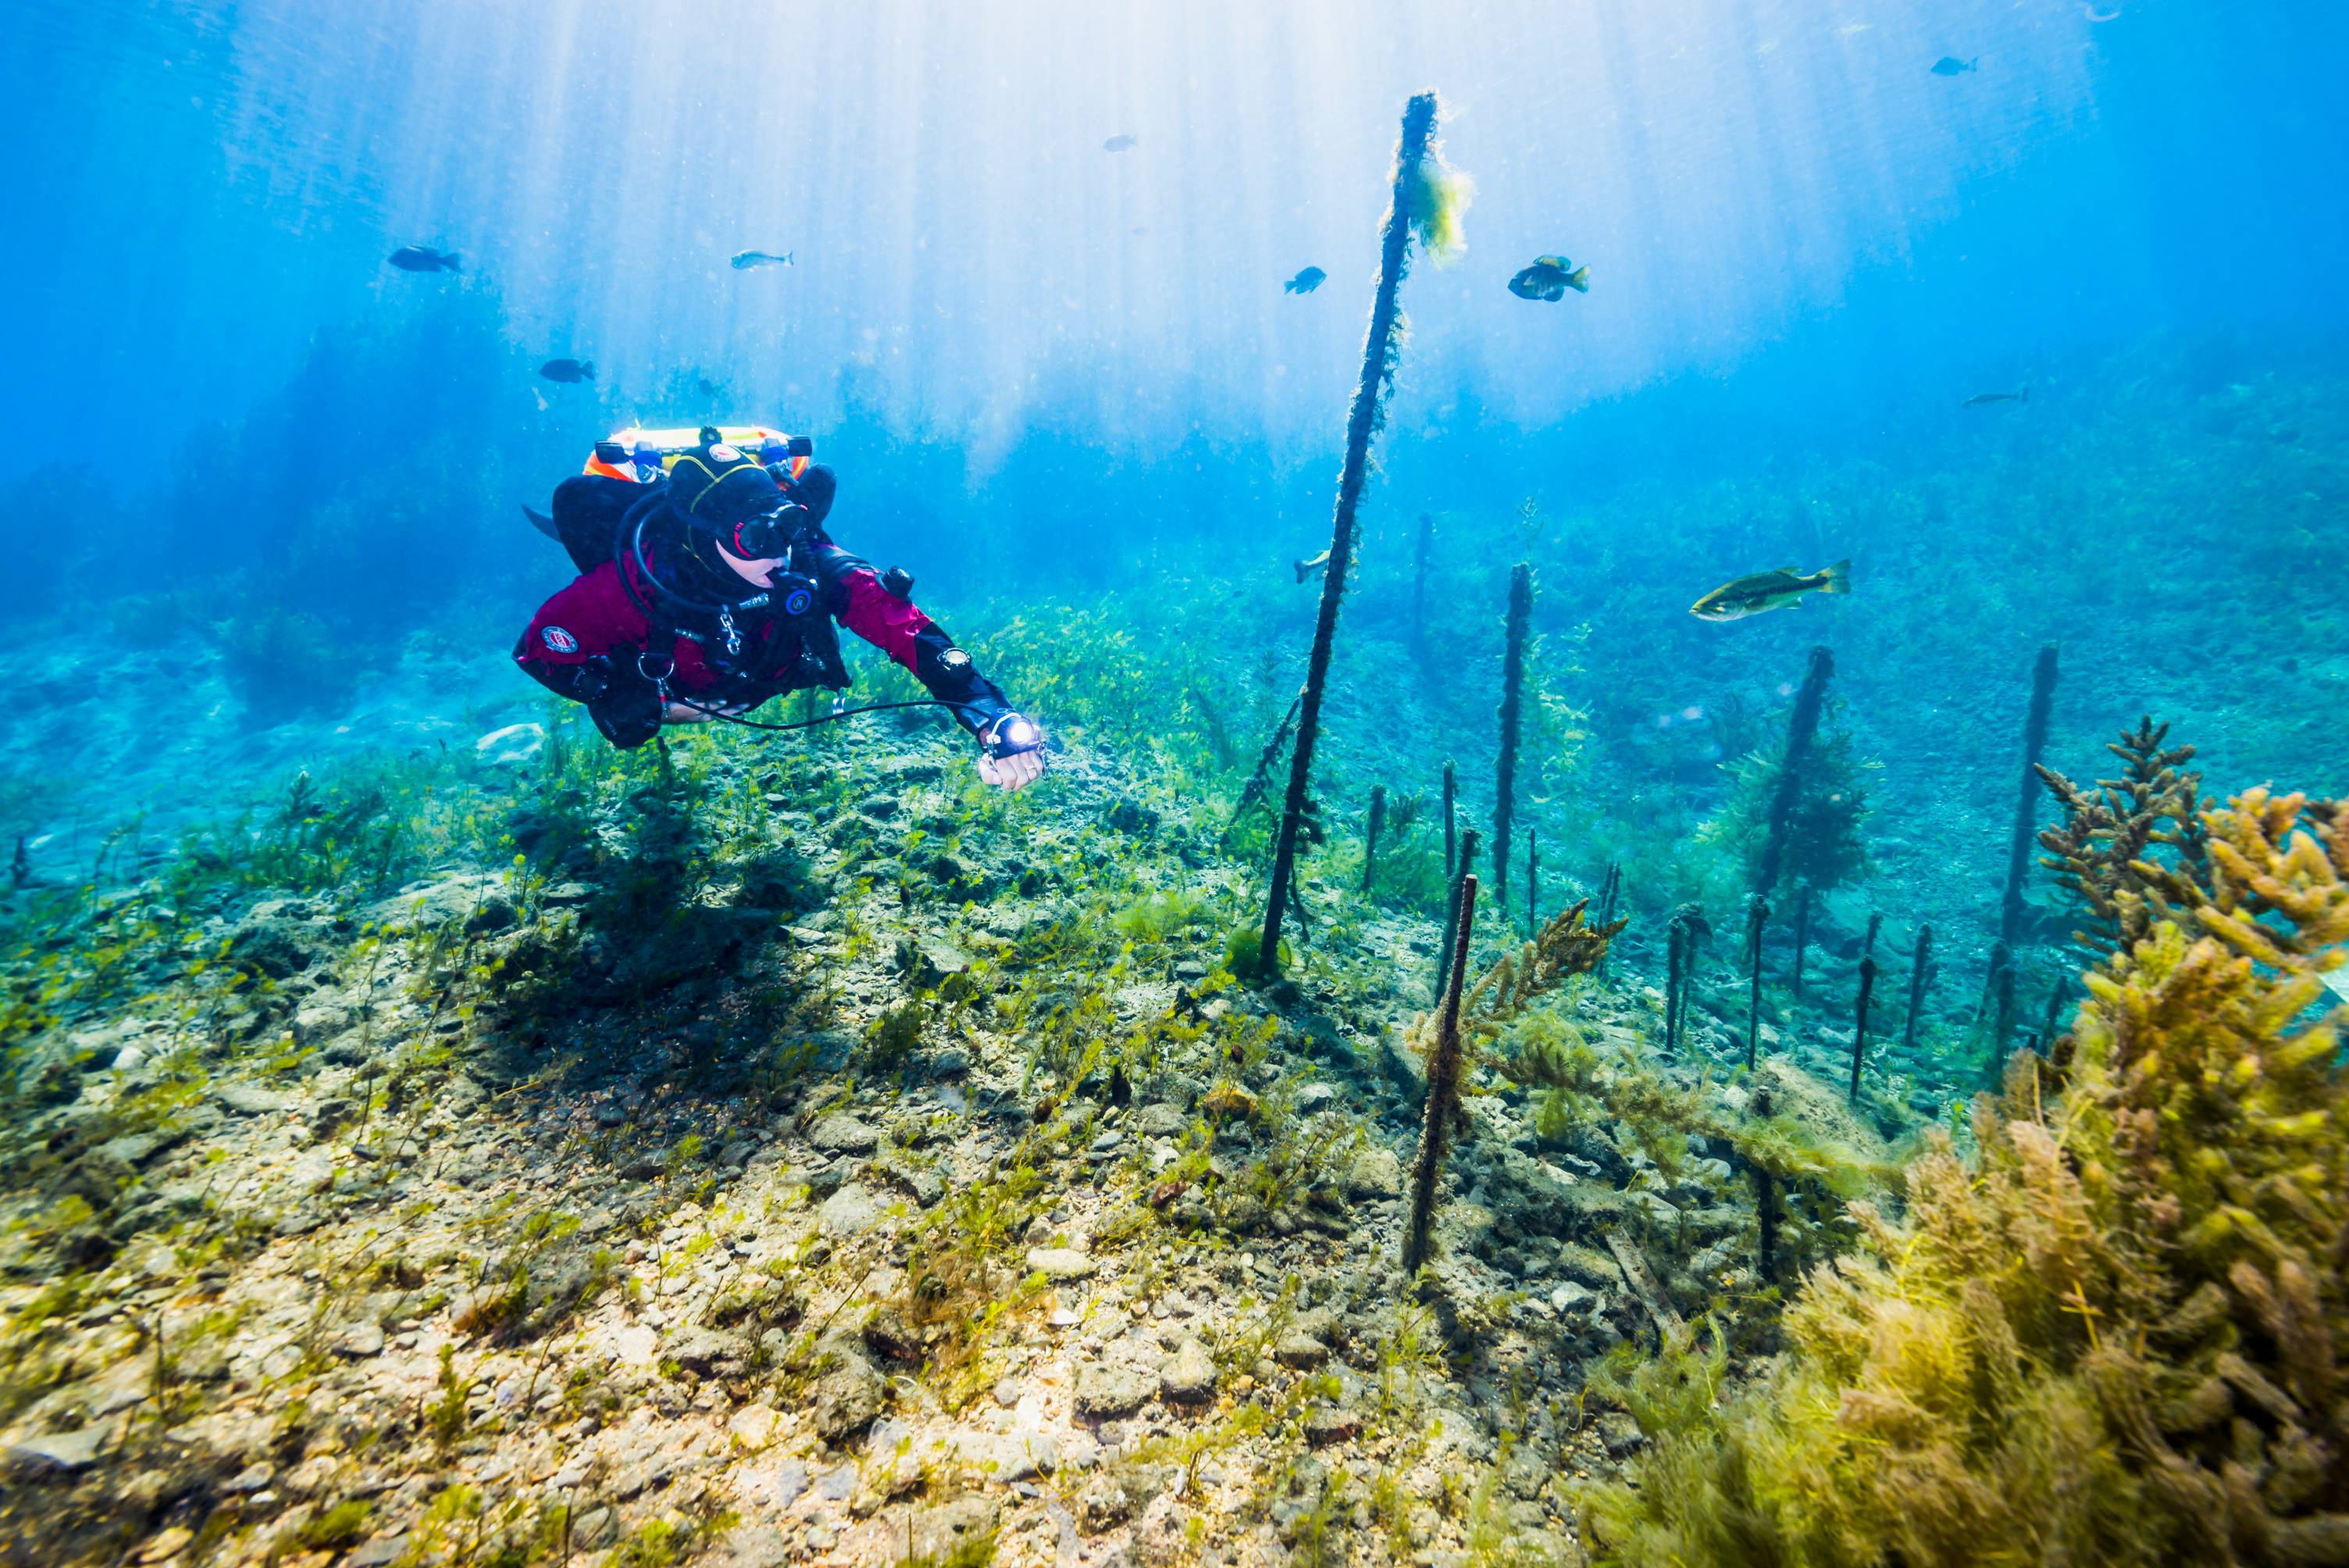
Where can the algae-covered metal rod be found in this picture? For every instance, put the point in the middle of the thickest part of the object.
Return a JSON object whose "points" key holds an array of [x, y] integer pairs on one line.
{"points": [[1443, 1081], [1450, 821], [1513, 687], [1860, 1023], [1451, 909], [1533, 880], [1757, 911], [1379, 354], [1802, 728], [1802, 934], [2034, 746], [1676, 946], [1920, 974]]}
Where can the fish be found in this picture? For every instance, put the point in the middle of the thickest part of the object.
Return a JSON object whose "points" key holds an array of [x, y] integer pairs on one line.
{"points": [[1308, 568], [569, 371], [1985, 399], [746, 260], [1950, 66], [1549, 279], [1121, 142], [1305, 282], [1766, 591], [423, 259]]}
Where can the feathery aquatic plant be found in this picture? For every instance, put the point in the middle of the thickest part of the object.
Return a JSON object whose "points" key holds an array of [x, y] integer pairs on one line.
{"points": [[1422, 199], [2120, 1325], [1370, 836]]}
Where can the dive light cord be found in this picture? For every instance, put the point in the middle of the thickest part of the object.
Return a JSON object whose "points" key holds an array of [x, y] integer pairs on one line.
{"points": [[827, 718]]}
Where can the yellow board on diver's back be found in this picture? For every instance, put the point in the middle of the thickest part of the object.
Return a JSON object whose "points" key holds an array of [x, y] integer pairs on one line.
{"points": [[1766, 591]]}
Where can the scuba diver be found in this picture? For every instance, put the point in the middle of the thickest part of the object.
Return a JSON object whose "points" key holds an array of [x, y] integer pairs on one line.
{"points": [[708, 584]]}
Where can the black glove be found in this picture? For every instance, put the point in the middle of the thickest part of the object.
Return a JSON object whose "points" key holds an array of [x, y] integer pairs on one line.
{"points": [[623, 705]]}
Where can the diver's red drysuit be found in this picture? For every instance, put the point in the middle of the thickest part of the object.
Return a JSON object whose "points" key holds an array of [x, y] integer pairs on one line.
{"points": [[592, 640]]}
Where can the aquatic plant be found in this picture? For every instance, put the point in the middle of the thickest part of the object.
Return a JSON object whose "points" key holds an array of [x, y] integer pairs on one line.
{"points": [[1463, 1024], [1381, 350], [2117, 1326], [1434, 194], [1370, 836], [2035, 746], [2106, 848], [1513, 691]]}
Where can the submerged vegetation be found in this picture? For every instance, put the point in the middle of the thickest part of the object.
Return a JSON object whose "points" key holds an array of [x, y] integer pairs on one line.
{"points": [[434, 1136]]}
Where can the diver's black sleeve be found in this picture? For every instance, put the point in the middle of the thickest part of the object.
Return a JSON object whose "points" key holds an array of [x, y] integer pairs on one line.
{"points": [[855, 595]]}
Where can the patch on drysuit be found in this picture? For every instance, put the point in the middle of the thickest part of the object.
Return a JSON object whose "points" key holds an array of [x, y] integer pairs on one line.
{"points": [[559, 640]]}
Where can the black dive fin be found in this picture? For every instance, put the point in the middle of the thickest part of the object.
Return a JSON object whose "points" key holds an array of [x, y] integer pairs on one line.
{"points": [[543, 523]]}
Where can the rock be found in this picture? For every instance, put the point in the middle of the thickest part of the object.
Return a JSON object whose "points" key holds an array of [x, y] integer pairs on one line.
{"points": [[1620, 1434], [510, 747], [1189, 1375], [841, 1133], [750, 1546], [1061, 1264], [275, 945], [1106, 1391], [386, 1550], [1314, 1099], [1230, 1101], [927, 963], [1162, 1120], [251, 1099], [252, 1477], [1328, 1424], [1572, 1297], [941, 1532], [773, 1485], [1374, 1174], [359, 1341], [848, 1211], [1162, 1536], [704, 1351], [846, 1397], [1588, 1267], [1300, 1351], [56, 1453]]}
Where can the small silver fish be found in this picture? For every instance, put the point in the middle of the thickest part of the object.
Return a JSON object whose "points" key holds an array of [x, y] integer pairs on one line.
{"points": [[749, 259], [569, 371], [1308, 568], [1985, 399], [1950, 66], [1305, 282], [1121, 142]]}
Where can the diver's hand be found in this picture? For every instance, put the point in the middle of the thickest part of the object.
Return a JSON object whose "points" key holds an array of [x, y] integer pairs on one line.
{"points": [[679, 713], [1016, 771], [1011, 769]]}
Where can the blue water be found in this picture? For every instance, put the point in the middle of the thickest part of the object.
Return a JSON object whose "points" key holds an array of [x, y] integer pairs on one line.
{"points": [[1041, 363]]}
